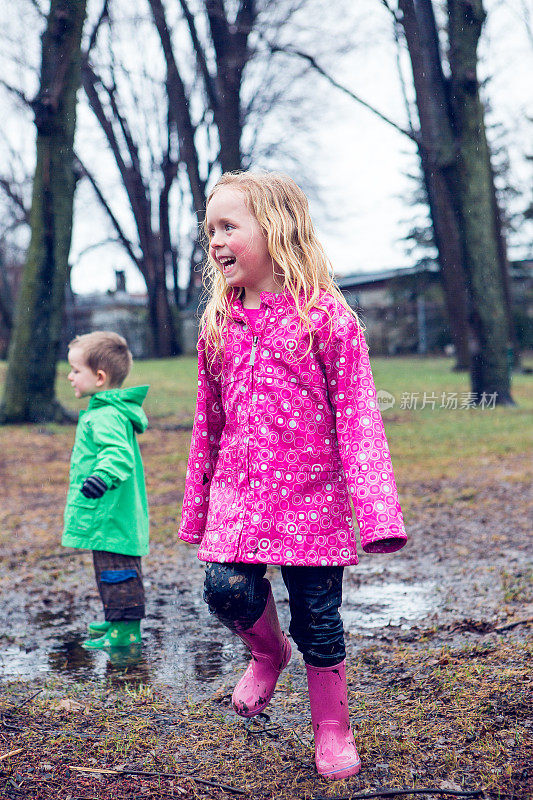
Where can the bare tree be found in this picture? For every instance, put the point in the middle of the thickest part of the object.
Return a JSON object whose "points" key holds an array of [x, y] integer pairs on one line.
{"points": [[459, 182], [212, 116], [29, 388]]}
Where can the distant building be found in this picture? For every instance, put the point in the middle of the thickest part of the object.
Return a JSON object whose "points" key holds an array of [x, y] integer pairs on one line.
{"points": [[115, 310], [402, 309]]}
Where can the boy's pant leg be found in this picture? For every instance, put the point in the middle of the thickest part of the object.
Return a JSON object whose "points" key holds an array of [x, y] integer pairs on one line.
{"points": [[120, 583], [315, 596], [236, 593]]}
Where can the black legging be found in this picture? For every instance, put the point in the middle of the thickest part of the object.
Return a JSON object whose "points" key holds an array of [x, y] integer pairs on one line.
{"points": [[237, 593]]}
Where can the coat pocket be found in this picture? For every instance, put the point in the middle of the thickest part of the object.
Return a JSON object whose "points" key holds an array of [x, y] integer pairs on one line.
{"points": [[81, 512]]}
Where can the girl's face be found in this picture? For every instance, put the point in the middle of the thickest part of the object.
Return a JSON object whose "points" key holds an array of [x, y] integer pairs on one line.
{"points": [[237, 243]]}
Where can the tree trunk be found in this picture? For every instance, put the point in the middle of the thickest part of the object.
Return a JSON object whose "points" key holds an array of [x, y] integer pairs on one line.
{"points": [[490, 367], [516, 357], [29, 390], [163, 330], [437, 156], [6, 298], [230, 42]]}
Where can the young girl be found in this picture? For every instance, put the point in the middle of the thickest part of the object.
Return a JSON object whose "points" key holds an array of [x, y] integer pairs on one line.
{"points": [[286, 429]]}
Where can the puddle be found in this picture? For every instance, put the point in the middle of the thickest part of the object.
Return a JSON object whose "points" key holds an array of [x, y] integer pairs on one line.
{"points": [[374, 605], [184, 648]]}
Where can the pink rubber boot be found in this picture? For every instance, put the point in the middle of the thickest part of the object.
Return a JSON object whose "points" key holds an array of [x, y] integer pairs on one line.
{"points": [[271, 653], [336, 756]]}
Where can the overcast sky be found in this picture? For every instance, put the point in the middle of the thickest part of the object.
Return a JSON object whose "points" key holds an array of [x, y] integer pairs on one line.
{"points": [[359, 163]]}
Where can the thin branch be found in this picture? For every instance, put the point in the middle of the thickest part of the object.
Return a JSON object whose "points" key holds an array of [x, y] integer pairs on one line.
{"points": [[38, 8], [131, 178], [104, 15], [398, 792], [214, 784], [11, 753], [96, 246], [179, 108], [200, 55], [314, 64], [397, 28], [125, 773], [514, 624], [114, 221], [16, 198], [27, 700], [19, 94]]}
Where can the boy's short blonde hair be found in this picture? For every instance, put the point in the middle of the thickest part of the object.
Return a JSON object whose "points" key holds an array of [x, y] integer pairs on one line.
{"points": [[107, 351]]}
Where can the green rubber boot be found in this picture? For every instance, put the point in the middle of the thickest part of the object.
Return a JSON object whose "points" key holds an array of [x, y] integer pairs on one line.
{"points": [[122, 633], [97, 629]]}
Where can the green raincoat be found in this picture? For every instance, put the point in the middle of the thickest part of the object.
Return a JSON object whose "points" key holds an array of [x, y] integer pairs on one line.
{"points": [[106, 446]]}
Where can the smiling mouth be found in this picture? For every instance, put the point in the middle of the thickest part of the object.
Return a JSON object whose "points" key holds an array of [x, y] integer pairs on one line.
{"points": [[226, 263]]}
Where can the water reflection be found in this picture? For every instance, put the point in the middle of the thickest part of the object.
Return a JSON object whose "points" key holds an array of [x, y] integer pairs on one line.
{"points": [[69, 656], [125, 656], [374, 605], [183, 646]]}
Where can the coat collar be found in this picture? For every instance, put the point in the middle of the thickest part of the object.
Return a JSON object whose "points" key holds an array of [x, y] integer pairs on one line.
{"points": [[281, 300]]}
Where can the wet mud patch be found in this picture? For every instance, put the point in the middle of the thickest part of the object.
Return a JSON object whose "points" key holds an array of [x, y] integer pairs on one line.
{"points": [[465, 573]]}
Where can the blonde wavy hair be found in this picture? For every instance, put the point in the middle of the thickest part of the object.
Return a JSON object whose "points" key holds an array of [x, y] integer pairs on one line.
{"points": [[300, 262]]}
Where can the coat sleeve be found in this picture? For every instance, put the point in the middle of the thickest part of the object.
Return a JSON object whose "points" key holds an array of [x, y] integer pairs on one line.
{"points": [[115, 458], [208, 425], [361, 437]]}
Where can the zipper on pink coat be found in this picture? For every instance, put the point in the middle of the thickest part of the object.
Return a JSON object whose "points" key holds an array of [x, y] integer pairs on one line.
{"points": [[251, 363], [254, 348]]}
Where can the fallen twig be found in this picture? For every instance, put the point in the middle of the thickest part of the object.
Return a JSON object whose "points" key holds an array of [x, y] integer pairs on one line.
{"points": [[11, 753], [183, 775], [118, 773], [510, 625], [9, 727], [397, 792], [99, 771], [62, 554], [28, 700]]}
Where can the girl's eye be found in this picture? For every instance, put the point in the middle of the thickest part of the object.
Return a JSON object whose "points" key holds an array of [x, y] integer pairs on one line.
{"points": [[228, 226]]}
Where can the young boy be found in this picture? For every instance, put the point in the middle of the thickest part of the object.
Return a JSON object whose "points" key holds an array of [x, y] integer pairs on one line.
{"points": [[107, 509]]}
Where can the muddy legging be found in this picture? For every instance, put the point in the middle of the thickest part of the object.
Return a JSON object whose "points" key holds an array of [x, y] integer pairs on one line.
{"points": [[237, 594], [120, 583]]}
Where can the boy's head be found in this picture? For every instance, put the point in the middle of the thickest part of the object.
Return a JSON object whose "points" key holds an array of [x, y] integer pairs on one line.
{"points": [[98, 361]]}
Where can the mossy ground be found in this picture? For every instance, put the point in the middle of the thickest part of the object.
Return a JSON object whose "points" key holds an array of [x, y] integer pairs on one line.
{"points": [[444, 719]]}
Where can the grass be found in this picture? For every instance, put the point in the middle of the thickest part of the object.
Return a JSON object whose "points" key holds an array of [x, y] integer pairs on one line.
{"points": [[433, 439], [439, 718], [427, 444]]}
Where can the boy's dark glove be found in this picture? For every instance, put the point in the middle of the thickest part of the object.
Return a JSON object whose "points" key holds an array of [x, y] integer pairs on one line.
{"points": [[93, 487]]}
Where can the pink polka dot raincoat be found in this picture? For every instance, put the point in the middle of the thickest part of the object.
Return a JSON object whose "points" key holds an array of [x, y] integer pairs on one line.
{"points": [[281, 440]]}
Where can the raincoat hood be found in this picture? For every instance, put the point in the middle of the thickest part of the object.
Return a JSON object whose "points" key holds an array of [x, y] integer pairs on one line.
{"points": [[127, 401]]}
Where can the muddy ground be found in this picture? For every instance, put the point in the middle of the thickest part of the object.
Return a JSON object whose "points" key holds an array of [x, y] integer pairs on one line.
{"points": [[462, 585]]}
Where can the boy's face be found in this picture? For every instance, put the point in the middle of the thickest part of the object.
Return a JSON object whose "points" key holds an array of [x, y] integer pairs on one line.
{"points": [[83, 380]]}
